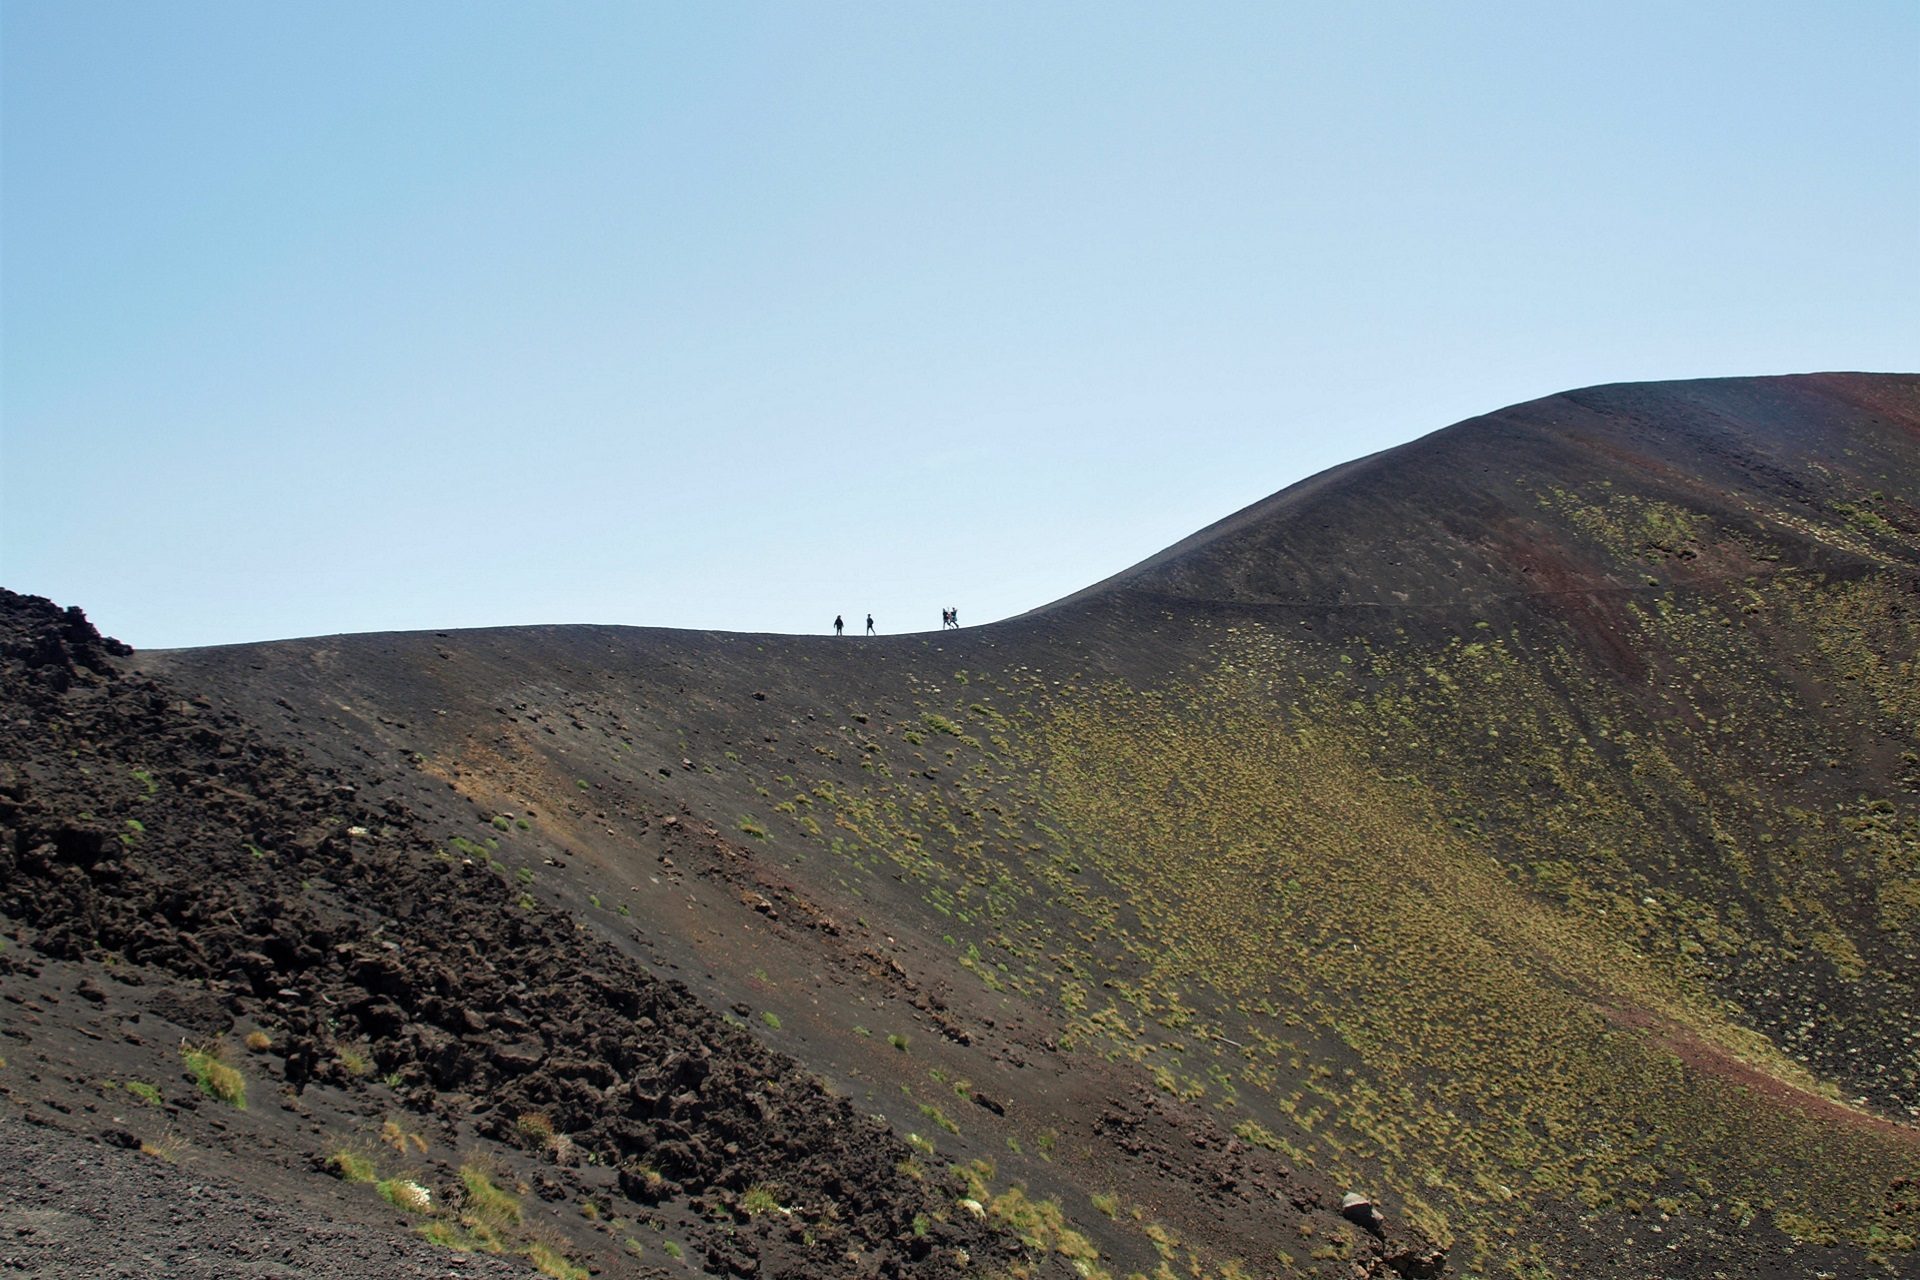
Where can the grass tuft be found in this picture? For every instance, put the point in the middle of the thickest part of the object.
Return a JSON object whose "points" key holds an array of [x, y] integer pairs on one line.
{"points": [[761, 1198], [549, 1261], [352, 1166], [168, 1147], [486, 1204], [215, 1078], [405, 1193], [449, 1236], [402, 1139], [534, 1127]]}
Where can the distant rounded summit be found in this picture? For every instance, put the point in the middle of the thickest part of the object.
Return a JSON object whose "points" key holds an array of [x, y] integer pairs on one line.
{"points": [[1477, 509]]}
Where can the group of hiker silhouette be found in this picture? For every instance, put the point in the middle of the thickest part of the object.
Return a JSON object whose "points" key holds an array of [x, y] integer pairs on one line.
{"points": [[948, 618]]}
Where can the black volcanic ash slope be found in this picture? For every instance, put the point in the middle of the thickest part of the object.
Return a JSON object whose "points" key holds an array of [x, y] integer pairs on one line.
{"points": [[1521, 827], [1501, 505], [159, 849]]}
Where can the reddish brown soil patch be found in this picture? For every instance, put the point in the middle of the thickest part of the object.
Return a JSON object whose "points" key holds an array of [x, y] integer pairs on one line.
{"points": [[1712, 1060]]}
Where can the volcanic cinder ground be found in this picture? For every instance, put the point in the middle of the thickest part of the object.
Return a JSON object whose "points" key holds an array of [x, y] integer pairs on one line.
{"points": [[1519, 828]]}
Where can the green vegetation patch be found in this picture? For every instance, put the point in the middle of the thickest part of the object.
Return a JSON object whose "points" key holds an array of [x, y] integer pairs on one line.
{"points": [[1479, 946], [215, 1078]]}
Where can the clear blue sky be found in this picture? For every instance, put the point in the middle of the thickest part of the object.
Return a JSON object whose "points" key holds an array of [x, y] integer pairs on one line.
{"points": [[343, 317]]}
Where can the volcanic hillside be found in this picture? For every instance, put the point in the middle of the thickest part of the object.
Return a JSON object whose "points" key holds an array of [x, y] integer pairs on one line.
{"points": [[1520, 828]]}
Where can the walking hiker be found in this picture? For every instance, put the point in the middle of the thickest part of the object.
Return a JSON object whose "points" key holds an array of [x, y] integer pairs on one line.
{"points": [[869, 624], [946, 619], [953, 617], [838, 625]]}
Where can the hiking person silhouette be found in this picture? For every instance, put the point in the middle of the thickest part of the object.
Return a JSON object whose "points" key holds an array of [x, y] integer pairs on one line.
{"points": [[838, 625], [869, 624], [946, 619], [953, 617]]}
